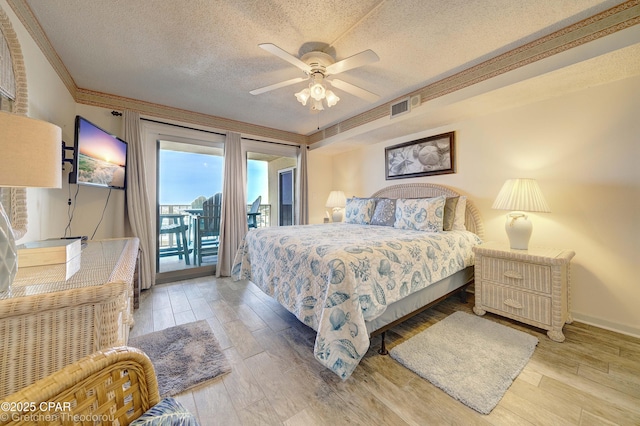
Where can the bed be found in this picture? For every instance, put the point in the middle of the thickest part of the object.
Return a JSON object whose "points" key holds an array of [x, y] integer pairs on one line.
{"points": [[352, 281]]}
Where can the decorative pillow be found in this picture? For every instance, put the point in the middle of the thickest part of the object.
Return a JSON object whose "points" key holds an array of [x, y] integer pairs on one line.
{"points": [[385, 212], [359, 210], [461, 211], [420, 214], [167, 412], [450, 206]]}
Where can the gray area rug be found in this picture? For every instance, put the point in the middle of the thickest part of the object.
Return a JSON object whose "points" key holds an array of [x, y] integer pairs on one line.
{"points": [[183, 356], [473, 359]]}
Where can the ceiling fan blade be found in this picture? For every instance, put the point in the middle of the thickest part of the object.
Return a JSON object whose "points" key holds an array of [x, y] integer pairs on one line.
{"points": [[275, 50], [354, 90], [278, 85], [355, 61]]}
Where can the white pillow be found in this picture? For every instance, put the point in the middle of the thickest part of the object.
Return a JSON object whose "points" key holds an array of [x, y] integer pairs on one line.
{"points": [[461, 211]]}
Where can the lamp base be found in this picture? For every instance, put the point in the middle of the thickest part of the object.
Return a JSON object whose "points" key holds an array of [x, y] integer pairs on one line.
{"points": [[337, 214], [8, 252], [519, 229]]}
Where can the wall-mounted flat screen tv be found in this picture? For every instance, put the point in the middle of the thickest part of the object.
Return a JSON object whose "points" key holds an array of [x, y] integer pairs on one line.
{"points": [[100, 159]]}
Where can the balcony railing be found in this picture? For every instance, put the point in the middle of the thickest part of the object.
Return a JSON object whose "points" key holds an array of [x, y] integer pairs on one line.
{"points": [[168, 240], [265, 215]]}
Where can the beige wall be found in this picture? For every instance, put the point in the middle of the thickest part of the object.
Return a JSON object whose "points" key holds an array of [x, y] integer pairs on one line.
{"points": [[320, 175], [91, 201], [584, 150]]}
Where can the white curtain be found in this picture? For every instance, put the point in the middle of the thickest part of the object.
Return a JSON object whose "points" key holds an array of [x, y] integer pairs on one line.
{"points": [[233, 220], [302, 201], [138, 210]]}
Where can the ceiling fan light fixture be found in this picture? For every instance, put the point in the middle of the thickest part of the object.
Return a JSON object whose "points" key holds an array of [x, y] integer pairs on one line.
{"points": [[316, 105], [318, 65], [317, 91], [332, 98], [303, 96]]}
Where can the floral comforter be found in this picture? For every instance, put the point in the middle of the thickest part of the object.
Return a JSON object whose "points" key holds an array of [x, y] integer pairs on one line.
{"points": [[334, 277]]}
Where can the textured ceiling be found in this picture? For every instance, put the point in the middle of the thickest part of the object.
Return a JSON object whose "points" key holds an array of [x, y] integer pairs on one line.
{"points": [[203, 56]]}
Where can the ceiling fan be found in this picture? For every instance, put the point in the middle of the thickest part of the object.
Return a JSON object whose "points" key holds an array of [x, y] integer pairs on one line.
{"points": [[318, 66]]}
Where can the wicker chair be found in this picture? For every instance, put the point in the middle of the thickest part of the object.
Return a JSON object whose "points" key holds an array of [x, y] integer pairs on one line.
{"points": [[113, 386]]}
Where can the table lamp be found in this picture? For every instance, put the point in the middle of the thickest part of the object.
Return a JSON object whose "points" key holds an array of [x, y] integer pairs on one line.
{"points": [[519, 196], [336, 201], [31, 157]]}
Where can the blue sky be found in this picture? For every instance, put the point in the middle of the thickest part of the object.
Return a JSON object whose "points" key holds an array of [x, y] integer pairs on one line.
{"points": [[184, 176]]}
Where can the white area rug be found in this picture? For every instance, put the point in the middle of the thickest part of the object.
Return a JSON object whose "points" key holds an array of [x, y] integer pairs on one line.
{"points": [[473, 359]]}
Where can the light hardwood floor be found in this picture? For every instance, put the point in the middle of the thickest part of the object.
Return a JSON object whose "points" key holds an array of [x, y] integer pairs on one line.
{"points": [[593, 378]]}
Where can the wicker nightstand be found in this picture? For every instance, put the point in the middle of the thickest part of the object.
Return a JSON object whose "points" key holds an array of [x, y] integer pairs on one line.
{"points": [[531, 286]]}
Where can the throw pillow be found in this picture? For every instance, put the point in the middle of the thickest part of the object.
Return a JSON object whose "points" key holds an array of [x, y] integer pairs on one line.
{"points": [[167, 411], [420, 214], [385, 212], [359, 210]]}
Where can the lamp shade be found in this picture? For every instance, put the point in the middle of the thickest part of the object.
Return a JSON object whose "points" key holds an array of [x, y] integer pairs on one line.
{"points": [[31, 152], [521, 195], [31, 157], [336, 199]]}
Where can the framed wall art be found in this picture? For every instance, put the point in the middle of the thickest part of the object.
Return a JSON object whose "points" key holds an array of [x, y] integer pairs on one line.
{"points": [[433, 155]]}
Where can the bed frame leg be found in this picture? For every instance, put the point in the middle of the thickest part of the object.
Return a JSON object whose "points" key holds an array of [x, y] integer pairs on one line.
{"points": [[383, 347]]}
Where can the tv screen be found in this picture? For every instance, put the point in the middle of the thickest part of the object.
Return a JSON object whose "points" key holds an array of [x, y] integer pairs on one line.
{"points": [[100, 159]]}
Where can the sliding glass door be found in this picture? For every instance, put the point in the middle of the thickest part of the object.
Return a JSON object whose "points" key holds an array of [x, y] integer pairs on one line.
{"points": [[286, 196], [188, 199], [189, 179], [270, 174]]}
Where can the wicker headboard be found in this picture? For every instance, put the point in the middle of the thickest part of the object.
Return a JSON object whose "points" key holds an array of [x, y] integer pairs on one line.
{"points": [[473, 221]]}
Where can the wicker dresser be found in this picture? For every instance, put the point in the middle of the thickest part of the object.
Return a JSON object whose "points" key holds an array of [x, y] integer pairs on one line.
{"points": [[47, 322], [531, 286]]}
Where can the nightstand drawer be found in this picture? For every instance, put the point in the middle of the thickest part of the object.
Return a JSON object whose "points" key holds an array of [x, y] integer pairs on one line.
{"points": [[522, 304], [519, 274]]}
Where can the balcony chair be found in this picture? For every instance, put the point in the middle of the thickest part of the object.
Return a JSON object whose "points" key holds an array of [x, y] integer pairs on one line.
{"points": [[112, 386], [207, 235], [252, 215], [174, 224]]}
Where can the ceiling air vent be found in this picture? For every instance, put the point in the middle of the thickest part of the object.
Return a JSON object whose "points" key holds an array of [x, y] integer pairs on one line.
{"points": [[401, 107]]}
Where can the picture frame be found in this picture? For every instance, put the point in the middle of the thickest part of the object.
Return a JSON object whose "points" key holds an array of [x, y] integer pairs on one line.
{"points": [[433, 155]]}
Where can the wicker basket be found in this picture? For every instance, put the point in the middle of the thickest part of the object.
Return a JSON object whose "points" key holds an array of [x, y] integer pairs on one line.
{"points": [[113, 386]]}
